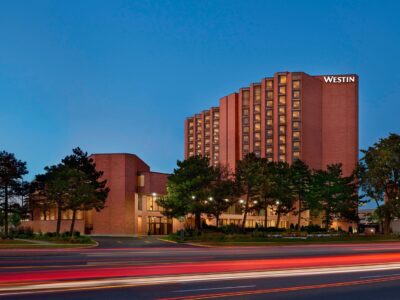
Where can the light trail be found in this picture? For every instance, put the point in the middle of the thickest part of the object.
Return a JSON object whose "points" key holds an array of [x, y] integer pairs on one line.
{"points": [[141, 281]]}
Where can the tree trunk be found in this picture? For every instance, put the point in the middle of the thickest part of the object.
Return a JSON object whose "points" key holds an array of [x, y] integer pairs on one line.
{"points": [[73, 224], [197, 221], [58, 220], [386, 225], [299, 216], [6, 210], [266, 215], [278, 219], [245, 211], [217, 220]]}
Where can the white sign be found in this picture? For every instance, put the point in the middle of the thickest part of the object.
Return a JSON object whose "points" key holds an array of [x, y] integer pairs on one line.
{"points": [[339, 79]]}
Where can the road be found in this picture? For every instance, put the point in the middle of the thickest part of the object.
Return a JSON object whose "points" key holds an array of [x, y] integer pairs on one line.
{"points": [[146, 268]]}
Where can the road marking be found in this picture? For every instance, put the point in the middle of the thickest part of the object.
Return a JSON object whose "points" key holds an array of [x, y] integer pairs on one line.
{"points": [[217, 288], [379, 276]]}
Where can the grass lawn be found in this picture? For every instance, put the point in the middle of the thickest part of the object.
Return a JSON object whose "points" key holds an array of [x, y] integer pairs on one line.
{"points": [[34, 244], [248, 240]]}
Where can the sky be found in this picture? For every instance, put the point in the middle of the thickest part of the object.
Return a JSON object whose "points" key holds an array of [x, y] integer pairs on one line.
{"points": [[122, 76]]}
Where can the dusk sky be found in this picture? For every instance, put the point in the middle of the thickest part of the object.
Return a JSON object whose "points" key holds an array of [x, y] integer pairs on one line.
{"points": [[121, 76]]}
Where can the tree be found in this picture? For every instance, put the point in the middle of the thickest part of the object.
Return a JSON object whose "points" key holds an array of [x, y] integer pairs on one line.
{"points": [[188, 188], [334, 194], [379, 177], [222, 193], [300, 176], [11, 171], [248, 176], [54, 189], [266, 188], [284, 193]]}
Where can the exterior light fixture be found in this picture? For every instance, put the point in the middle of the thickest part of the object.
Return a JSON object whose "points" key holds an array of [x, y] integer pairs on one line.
{"points": [[277, 202], [241, 201], [210, 198], [154, 194], [193, 197], [226, 200], [255, 202]]}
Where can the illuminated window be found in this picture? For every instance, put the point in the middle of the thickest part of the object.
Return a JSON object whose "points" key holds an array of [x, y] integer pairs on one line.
{"points": [[282, 90], [296, 104], [296, 114], [282, 129], [246, 97], [282, 110], [269, 132], [257, 94], [296, 84], [257, 108], [270, 84], [282, 149], [257, 136], [270, 95], [296, 135], [296, 125], [282, 158], [282, 100], [246, 129], [246, 120], [269, 122], [269, 113], [257, 127], [282, 119], [246, 147], [269, 150], [245, 139], [296, 94], [257, 118], [270, 104], [296, 155], [282, 79], [245, 112], [296, 145], [282, 139], [257, 145], [269, 141]]}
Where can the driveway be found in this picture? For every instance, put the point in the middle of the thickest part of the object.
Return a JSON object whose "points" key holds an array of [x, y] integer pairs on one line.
{"points": [[133, 242]]}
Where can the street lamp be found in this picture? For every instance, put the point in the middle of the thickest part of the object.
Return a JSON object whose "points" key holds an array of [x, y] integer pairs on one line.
{"points": [[277, 202], [193, 197], [210, 198]]}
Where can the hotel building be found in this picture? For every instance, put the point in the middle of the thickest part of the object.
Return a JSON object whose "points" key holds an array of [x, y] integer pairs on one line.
{"points": [[284, 117], [288, 116]]}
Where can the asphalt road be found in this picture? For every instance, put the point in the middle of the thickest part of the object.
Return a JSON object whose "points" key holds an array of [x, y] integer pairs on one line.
{"points": [[146, 268]]}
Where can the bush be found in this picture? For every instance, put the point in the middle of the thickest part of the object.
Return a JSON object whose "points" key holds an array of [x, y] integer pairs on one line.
{"points": [[314, 229], [21, 232]]}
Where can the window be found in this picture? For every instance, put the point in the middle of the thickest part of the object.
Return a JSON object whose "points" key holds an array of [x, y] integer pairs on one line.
{"points": [[296, 145], [269, 122], [282, 119], [269, 141], [257, 118], [296, 135], [296, 84], [282, 89], [246, 120], [140, 178], [282, 139], [269, 132], [269, 112], [246, 148], [270, 84], [282, 100], [269, 150], [296, 104], [270, 103], [296, 125], [282, 158], [257, 136], [282, 129], [245, 112], [257, 108], [245, 139], [270, 95], [296, 94], [282, 149], [282, 110], [246, 129], [257, 145], [257, 94], [296, 155], [257, 127], [282, 79], [296, 114]]}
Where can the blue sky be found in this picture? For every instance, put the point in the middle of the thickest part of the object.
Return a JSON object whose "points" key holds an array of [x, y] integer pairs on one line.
{"points": [[121, 76]]}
